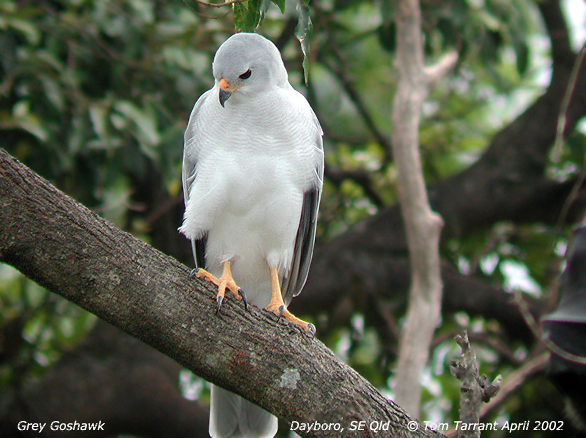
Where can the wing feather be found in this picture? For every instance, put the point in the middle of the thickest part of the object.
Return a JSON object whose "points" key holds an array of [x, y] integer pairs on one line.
{"points": [[191, 150], [293, 282]]}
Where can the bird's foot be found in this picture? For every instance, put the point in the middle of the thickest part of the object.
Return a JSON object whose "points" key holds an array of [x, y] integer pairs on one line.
{"points": [[224, 282], [279, 309]]}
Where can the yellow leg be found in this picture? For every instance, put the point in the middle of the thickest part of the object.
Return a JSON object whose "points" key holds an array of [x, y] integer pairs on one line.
{"points": [[226, 281], [278, 307]]}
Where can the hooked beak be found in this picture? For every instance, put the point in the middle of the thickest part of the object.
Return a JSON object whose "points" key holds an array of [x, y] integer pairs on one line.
{"points": [[225, 91]]}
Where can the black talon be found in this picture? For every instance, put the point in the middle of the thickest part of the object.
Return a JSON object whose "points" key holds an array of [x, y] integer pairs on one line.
{"points": [[219, 300], [193, 273], [281, 312], [243, 295], [311, 330]]}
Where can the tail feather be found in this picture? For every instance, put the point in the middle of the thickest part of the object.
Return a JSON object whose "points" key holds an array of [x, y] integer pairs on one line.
{"points": [[231, 416]]}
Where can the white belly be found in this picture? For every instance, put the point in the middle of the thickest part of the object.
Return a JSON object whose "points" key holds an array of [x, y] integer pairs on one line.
{"points": [[256, 212], [257, 234]]}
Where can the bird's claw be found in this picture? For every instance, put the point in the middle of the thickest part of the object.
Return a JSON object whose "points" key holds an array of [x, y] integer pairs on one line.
{"points": [[193, 273], [281, 313], [243, 295], [225, 282], [280, 310], [220, 300]]}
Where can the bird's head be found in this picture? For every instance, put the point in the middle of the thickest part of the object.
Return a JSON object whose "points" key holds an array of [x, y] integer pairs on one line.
{"points": [[247, 63]]}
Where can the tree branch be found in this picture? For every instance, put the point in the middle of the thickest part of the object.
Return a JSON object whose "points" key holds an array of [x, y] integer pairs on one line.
{"points": [[218, 5], [359, 176], [474, 389], [339, 71], [515, 381], [437, 71], [73, 252], [422, 225]]}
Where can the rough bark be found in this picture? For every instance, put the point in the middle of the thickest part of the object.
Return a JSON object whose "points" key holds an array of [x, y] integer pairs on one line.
{"points": [[73, 252]]}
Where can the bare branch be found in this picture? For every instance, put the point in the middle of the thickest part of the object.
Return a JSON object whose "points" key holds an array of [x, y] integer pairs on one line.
{"points": [[538, 332], [73, 252], [562, 118], [360, 177], [437, 71], [474, 389], [340, 72], [515, 381], [495, 343], [218, 5], [422, 225]]}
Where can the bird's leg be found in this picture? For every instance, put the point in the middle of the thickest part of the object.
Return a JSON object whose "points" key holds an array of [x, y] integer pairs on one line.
{"points": [[278, 307], [224, 282]]}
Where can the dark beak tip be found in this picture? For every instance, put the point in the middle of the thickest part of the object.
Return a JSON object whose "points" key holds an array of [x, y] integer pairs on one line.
{"points": [[224, 96]]}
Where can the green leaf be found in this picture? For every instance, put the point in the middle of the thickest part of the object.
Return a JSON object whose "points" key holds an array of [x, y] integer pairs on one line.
{"points": [[99, 119], [20, 18], [303, 34], [280, 4], [140, 122], [24, 118], [248, 15], [240, 17]]}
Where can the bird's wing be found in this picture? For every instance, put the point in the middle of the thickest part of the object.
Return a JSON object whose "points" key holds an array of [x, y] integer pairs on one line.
{"points": [[294, 280], [191, 152]]}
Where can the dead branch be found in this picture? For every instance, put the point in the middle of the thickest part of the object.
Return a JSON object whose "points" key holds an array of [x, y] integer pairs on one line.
{"points": [[474, 389]]}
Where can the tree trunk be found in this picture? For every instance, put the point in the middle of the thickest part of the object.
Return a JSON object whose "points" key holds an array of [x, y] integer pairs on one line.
{"points": [[422, 225]]}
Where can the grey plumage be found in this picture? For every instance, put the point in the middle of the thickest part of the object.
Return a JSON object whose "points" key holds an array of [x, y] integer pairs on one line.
{"points": [[252, 180]]}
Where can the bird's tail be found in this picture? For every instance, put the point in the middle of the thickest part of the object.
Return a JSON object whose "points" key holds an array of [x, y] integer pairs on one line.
{"points": [[231, 416]]}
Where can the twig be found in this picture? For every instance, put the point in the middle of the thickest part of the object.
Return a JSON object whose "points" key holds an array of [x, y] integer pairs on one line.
{"points": [[351, 92], [561, 124], [209, 17], [538, 333], [360, 177], [573, 196], [556, 153], [441, 68], [483, 338], [514, 381], [169, 204], [218, 5], [382, 320]]}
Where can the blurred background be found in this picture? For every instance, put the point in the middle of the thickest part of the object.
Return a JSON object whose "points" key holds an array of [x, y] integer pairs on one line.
{"points": [[95, 96]]}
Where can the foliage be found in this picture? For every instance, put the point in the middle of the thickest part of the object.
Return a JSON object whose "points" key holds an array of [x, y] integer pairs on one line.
{"points": [[41, 326], [95, 95]]}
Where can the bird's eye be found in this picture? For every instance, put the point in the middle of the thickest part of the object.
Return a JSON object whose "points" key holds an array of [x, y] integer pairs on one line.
{"points": [[245, 75]]}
